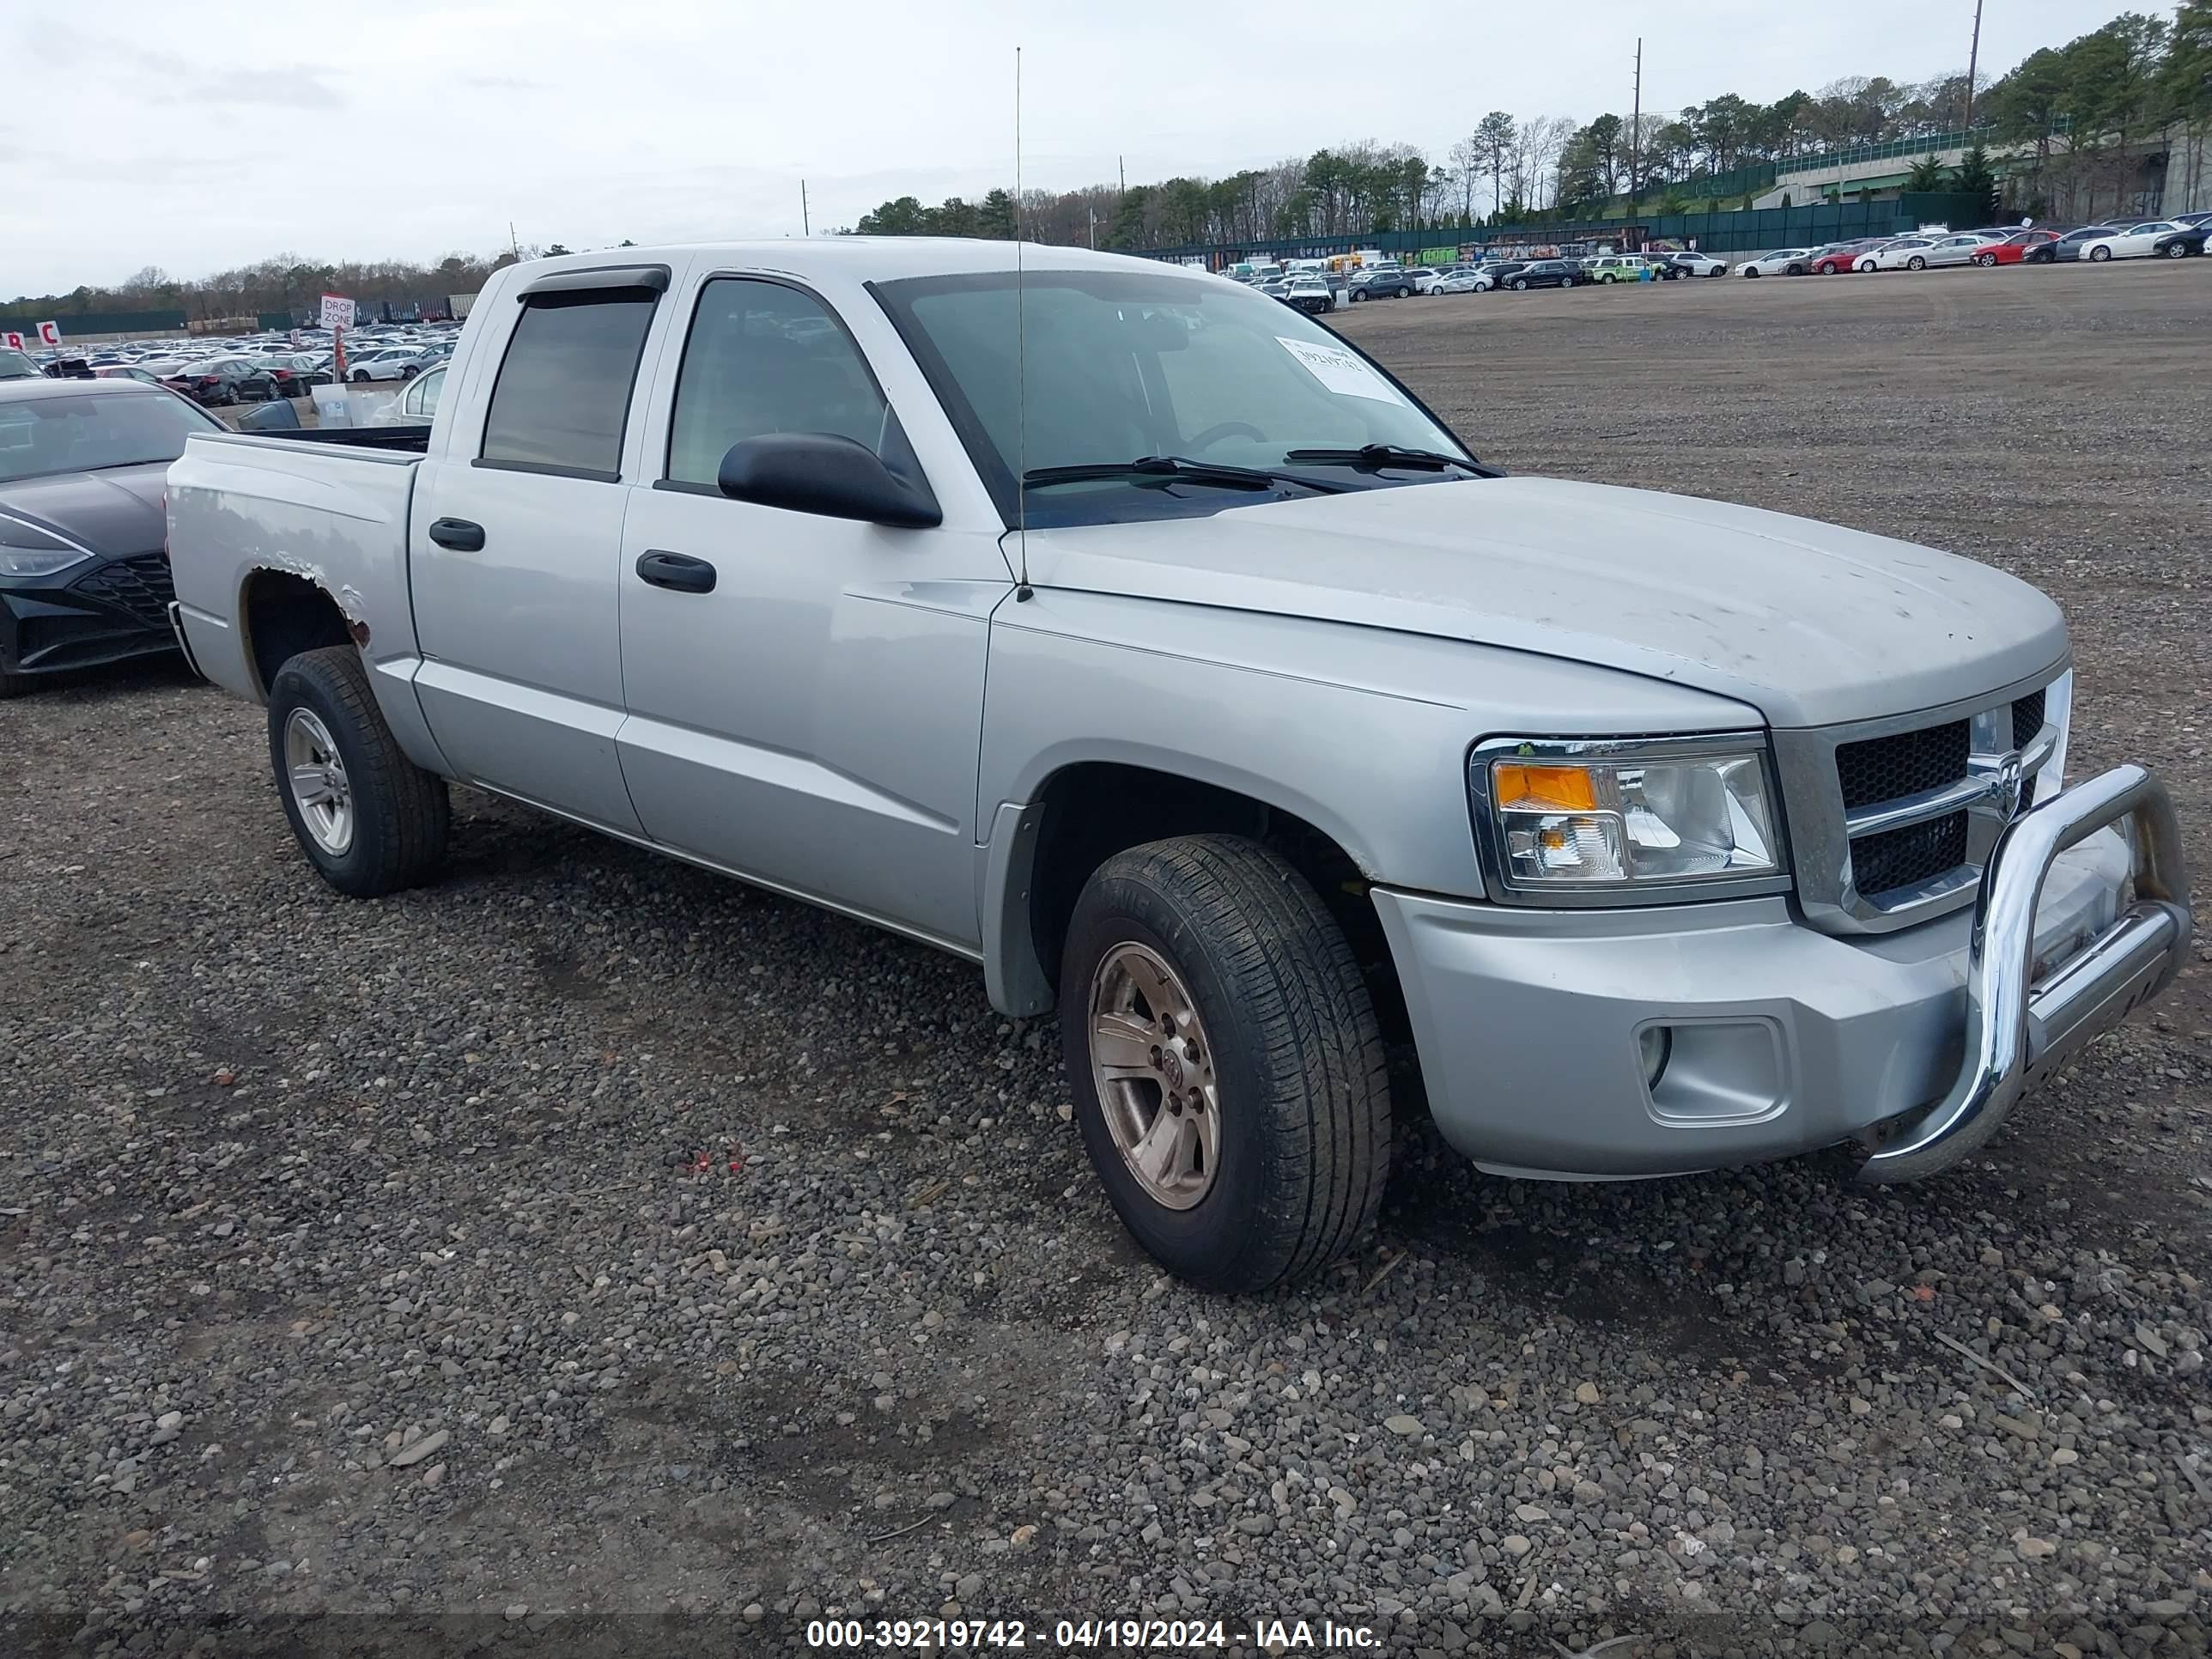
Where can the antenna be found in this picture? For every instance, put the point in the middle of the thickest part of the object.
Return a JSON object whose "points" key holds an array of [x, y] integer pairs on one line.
{"points": [[1022, 588]]}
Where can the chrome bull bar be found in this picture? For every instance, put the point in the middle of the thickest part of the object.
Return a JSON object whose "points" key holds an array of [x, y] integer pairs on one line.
{"points": [[2019, 1029]]}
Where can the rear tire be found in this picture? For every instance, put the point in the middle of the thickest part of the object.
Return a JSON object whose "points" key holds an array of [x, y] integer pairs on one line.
{"points": [[1916, 263], [397, 815], [1266, 1022]]}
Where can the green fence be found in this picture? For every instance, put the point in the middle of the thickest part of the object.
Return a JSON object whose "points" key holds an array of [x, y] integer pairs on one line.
{"points": [[96, 322]]}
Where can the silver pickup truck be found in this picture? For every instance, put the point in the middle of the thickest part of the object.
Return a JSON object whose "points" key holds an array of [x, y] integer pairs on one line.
{"points": [[1131, 634]]}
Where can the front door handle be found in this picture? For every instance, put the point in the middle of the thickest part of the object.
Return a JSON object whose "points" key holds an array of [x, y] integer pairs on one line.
{"points": [[677, 570], [459, 534]]}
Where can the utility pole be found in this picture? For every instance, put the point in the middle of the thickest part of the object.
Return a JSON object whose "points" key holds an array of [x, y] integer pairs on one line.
{"points": [[513, 245], [1636, 127], [1973, 58], [805, 225], [1121, 167]]}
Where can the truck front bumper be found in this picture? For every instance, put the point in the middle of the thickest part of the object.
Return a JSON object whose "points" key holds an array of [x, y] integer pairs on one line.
{"points": [[1531, 1025]]}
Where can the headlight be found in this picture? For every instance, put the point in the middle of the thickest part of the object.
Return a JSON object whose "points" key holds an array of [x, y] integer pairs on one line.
{"points": [[28, 552], [1627, 820]]}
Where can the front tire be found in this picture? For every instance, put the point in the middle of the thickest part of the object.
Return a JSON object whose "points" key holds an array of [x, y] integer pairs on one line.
{"points": [[2097, 255], [2178, 251], [369, 818], [1228, 1072], [1985, 260], [361, 377], [1520, 285]]}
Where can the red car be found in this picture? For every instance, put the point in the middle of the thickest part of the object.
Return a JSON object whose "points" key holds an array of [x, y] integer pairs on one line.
{"points": [[2011, 250], [1837, 258]]}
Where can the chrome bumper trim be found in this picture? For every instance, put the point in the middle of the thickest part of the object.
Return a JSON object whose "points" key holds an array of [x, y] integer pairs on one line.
{"points": [[2019, 1030]]}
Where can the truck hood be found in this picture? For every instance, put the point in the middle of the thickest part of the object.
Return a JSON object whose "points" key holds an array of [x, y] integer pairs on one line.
{"points": [[1811, 624]]}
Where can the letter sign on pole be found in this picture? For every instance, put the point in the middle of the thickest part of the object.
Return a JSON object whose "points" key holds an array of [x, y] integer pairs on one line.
{"points": [[12, 340], [49, 334]]}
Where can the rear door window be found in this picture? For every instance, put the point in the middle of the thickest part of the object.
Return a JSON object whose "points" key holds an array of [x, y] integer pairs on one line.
{"points": [[562, 397]]}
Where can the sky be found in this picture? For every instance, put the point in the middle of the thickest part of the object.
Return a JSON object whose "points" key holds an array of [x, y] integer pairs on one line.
{"points": [[199, 137]]}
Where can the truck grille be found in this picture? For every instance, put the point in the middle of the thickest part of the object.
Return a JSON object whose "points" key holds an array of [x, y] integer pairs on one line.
{"points": [[1897, 859], [1910, 856], [140, 586], [1880, 769]]}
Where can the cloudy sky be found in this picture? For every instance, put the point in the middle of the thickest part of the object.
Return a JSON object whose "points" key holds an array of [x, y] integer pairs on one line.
{"points": [[193, 137]]}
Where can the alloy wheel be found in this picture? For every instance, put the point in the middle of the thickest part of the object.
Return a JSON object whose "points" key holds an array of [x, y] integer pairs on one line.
{"points": [[1152, 1065]]}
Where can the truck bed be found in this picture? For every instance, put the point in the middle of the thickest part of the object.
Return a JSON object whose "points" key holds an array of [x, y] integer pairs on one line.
{"points": [[331, 511]]}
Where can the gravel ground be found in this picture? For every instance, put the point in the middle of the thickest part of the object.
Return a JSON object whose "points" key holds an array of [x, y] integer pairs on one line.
{"points": [[586, 1253]]}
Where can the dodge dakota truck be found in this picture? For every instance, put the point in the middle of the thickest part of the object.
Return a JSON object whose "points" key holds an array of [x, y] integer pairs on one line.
{"points": [[1134, 636]]}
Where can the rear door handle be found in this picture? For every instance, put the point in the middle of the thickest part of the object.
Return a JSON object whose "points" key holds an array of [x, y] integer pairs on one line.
{"points": [[677, 570], [459, 534]]}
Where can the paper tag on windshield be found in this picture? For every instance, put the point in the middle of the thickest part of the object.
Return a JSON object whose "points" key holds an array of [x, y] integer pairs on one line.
{"points": [[1340, 371]]}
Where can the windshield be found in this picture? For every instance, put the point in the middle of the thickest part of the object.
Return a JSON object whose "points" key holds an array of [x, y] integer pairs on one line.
{"points": [[84, 432], [14, 366], [1122, 366]]}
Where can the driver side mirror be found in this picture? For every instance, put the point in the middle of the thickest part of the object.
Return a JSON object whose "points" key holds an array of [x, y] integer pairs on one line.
{"points": [[823, 473]]}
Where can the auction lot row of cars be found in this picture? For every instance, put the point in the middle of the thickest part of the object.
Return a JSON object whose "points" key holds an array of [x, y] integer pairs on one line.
{"points": [[2182, 237], [1316, 290], [253, 367]]}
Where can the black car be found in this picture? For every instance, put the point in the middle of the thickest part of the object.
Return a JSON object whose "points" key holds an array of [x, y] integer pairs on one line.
{"points": [[2181, 244], [1382, 281], [2069, 246], [224, 380], [83, 577], [1546, 273]]}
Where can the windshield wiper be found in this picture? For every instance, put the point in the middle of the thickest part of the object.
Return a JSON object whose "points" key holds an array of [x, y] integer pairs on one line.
{"points": [[1173, 469], [1373, 456]]}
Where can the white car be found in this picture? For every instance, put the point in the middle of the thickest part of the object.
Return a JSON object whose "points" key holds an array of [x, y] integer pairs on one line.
{"points": [[1427, 279], [1466, 282], [1897, 255], [2133, 243], [397, 364], [417, 405], [1783, 261], [1698, 264], [1958, 250]]}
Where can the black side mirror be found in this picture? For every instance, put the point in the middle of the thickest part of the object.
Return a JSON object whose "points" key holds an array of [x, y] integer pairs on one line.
{"points": [[275, 416], [822, 473]]}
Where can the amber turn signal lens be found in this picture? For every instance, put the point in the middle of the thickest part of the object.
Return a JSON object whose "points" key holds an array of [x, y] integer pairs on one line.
{"points": [[1563, 788]]}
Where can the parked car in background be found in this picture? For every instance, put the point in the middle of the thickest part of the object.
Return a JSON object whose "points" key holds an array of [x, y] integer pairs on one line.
{"points": [[1783, 261], [220, 380], [397, 364], [2070, 244], [16, 366], [1381, 282], [1892, 255], [1472, 279], [1690, 263], [2135, 242], [83, 578], [1954, 250], [125, 371], [1309, 291], [1427, 279], [1546, 273], [2013, 249], [2182, 242], [1615, 268], [1835, 259]]}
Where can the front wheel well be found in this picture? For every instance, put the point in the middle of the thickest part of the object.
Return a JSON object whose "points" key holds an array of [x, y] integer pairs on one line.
{"points": [[284, 615], [1092, 810]]}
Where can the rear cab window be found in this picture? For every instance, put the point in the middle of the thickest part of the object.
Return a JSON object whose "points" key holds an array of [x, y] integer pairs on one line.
{"points": [[562, 398]]}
